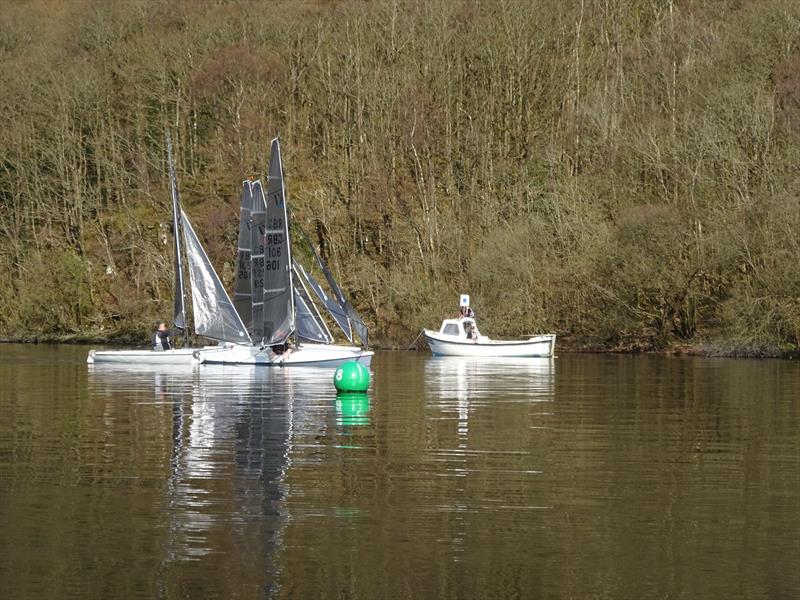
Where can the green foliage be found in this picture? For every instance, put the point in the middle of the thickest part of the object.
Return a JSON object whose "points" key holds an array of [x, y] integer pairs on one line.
{"points": [[622, 173], [52, 295]]}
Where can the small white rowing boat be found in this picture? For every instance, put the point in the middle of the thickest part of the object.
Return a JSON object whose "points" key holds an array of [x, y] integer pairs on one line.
{"points": [[460, 337], [176, 356]]}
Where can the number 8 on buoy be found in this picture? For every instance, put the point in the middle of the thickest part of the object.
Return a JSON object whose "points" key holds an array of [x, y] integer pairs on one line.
{"points": [[351, 377]]}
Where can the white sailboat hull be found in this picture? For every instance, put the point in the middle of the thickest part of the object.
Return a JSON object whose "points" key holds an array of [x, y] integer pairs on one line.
{"points": [[305, 355], [450, 345], [179, 356]]}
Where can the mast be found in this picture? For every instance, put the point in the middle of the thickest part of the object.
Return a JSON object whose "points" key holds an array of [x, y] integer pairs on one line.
{"points": [[179, 306]]}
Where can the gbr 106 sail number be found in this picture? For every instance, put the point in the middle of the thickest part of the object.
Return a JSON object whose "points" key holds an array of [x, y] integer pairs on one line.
{"points": [[274, 240]]}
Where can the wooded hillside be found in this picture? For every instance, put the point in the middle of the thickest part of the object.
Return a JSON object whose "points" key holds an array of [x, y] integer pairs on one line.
{"points": [[621, 172]]}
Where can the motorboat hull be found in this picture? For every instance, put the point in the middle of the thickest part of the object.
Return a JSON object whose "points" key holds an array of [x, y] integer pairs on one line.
{"points": [[306, 355], [541, 346]]}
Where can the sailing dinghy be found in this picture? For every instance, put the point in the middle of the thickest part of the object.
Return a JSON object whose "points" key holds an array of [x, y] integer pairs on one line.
{"points": [[214, 314], [280, 312]]}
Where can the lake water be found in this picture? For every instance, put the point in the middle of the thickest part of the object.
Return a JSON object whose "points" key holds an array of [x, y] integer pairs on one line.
{"points": [[588, 476]]}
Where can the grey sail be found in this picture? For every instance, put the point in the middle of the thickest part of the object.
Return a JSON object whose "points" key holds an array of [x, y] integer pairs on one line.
{"points": [[358, 325], [308, 328], [258, 216], [242, 291], [278, 296], [179, 307], [214, 314], [310, 324], [331, 305]]}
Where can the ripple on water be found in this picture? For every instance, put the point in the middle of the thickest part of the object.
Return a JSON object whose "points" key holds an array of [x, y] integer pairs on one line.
{"points": [[582, 476]]}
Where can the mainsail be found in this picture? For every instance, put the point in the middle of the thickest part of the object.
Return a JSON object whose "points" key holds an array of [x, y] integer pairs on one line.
{"points": [[179, 307], [214, 314], [278, 316], [242, 291], [257, 241]]}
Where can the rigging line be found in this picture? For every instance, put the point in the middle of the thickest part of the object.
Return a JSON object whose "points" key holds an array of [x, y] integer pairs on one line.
{"points": [[411, 345]]}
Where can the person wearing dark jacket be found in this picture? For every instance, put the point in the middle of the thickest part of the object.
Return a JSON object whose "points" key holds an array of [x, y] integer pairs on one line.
{"points": [[466, 312], [162, 338]]}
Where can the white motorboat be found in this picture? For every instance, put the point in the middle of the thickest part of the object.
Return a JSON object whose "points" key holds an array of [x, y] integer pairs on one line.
{"points": [[276, 304], [460, 337], [214, 314]]}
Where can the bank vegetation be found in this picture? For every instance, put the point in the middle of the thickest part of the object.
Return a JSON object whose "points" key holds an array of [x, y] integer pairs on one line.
{"points": [[621, 172]]}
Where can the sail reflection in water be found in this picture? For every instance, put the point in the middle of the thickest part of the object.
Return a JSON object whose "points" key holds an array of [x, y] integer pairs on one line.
{"points": [[232, 430]]}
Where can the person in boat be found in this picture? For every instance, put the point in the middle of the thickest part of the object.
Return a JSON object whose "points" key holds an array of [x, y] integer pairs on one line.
{"points": [[471, 331], [162, 338], [466, 312], [282, 351]]}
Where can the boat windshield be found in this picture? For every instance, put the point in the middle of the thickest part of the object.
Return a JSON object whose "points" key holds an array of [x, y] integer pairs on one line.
{"points": [[451, 329]]}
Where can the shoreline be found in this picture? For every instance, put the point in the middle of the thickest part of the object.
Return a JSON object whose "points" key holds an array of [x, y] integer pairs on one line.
{"points": [[705, 350]]}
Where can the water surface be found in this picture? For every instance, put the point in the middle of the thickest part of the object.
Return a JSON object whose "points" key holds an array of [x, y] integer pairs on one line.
{"points": [[581, 477]]}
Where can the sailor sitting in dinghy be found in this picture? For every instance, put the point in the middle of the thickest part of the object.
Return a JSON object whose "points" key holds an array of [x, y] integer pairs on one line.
{"points": [[162, 338], [281, 351]]}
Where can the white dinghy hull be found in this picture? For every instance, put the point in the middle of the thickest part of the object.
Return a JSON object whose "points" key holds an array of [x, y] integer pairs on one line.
{"points": [[179, 356], [305, 355], [541, 346]]}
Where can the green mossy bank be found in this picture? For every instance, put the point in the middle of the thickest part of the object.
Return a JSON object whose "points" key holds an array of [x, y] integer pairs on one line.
{"points": [[622, 173]]}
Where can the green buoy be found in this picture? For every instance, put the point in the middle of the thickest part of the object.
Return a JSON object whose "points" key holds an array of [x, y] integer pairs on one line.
{"points": [[351, 377]]}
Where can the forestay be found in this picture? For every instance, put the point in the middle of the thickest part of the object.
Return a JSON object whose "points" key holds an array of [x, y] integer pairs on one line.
{"points": [[214, 314]]}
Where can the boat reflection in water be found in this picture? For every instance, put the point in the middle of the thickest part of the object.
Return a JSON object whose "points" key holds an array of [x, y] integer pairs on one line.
{"points": [[461, 384], [229, 447], [478, 379], [511, 396]]}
